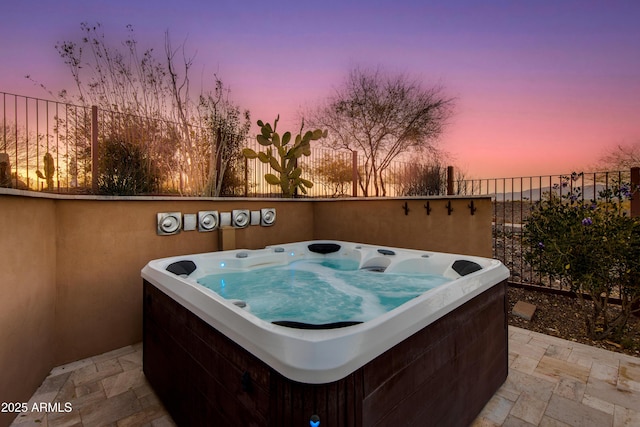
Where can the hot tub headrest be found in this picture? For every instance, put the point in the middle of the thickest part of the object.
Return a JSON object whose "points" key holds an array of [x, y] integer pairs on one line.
{"points": [[324, 248], [182, 267], [464, 267]]}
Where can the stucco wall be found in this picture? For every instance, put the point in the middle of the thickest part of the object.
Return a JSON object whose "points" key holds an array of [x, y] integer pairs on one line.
{"points": [[70, 285], [102, 246], [27, 296], [383, 222]]}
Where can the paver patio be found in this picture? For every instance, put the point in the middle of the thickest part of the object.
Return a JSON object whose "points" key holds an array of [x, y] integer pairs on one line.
{"points": [[551, 382]]}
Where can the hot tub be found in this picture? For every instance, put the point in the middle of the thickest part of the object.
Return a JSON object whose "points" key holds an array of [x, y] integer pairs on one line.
{"points": [[435, 359]]}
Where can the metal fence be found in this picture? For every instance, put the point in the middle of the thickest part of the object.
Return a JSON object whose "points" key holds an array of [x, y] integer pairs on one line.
{"points": [[336, 173], [514, 198], [52, 146], [43, 144]]}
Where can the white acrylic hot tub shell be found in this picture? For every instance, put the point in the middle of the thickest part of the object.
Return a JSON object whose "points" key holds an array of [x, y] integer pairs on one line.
{"points": [[322, 356]]}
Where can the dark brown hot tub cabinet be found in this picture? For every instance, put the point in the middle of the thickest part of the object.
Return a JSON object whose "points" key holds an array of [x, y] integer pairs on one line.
{"points": [[442, 375]]}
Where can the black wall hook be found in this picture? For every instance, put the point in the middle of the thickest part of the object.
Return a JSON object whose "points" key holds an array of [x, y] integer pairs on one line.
{"points": [[449, 207], [428, 208], [406, 208], [472, 208]]}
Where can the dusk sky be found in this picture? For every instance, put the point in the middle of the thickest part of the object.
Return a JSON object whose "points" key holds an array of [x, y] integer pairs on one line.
{"points": [[541, 87]]}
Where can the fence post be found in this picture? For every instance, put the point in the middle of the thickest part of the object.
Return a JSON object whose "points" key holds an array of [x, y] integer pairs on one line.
{"points": [[449, 180], [246, 177], [354, 173], [94, 149], [635, 192]]}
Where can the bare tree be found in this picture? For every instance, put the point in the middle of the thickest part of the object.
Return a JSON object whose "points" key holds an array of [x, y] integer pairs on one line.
{"points": [[419, 179], [334, 172], [180, 137], [135, 102], [425, 176], [621, 157], [229, 128], [382, 117], [120, 80]]}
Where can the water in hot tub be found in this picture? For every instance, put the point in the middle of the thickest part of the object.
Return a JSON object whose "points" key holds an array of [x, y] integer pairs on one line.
{"points": [[320, 291]]}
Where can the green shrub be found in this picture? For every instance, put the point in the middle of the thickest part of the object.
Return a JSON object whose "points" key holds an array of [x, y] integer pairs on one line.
{"points": [[125, 169], [591, 248]]}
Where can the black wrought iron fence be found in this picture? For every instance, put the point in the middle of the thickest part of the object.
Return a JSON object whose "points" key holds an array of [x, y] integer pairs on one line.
{"points": [[42, 144], [514, 198], [51, 146], [64, 148], [341, 174]]}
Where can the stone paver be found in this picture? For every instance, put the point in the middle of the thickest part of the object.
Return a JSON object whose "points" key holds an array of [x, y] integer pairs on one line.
{"points": [[109, 389], [551, 383], [558, 383], [524, 310]]}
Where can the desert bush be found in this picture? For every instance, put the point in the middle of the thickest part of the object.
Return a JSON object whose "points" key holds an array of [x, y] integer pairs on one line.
{"points": [[592, 248], [125, 169]]}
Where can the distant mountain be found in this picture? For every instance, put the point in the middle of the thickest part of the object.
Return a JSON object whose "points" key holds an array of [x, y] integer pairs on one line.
{"points": [[589, 192]]}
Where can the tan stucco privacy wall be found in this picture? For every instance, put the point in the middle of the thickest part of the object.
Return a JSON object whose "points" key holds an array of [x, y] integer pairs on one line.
{"points": [[70, 283]]}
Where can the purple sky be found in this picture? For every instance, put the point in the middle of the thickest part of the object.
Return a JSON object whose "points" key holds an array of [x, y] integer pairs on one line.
{"points": [[542, 87]]}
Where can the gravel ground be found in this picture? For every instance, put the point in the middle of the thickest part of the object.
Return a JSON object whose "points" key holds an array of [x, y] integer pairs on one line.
{"points": [[561, 316]]}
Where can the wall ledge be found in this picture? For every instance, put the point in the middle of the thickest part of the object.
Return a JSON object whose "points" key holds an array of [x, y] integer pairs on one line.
{"points": [[63, 196]]}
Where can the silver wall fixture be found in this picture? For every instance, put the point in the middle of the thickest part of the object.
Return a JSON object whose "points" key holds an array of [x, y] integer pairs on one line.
{"points": [[169, 223], [189, 222], [267, 216], [240, 218], [225, 219], [255, 217], [208, 220]]}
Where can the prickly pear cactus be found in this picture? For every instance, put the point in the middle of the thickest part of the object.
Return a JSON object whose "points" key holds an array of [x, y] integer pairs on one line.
{"points": [[49, 170], [284, 159]]}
